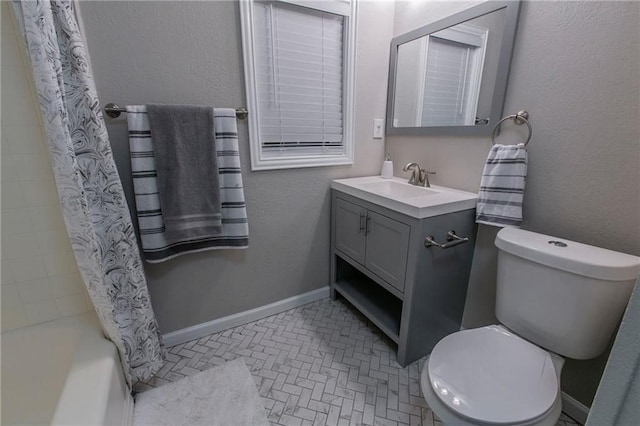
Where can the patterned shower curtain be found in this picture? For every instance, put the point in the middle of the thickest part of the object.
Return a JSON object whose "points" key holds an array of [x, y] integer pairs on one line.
{"points": [[93, 203]]}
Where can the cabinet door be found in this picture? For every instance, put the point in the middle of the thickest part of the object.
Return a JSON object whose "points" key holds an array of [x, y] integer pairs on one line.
{"points": [[349, 229], [387, 247]]}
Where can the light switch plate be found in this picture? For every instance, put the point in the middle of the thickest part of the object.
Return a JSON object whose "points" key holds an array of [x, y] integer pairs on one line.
{"points": [[378, 128]]}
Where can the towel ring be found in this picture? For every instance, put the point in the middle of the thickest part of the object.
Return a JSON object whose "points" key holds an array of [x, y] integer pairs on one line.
{"points": [[519, 118]]}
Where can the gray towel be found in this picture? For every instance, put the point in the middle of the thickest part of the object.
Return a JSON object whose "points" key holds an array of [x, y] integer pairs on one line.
{"points": [[235, 227], [185, 155]]}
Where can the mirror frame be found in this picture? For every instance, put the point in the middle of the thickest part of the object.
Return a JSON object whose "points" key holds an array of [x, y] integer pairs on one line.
{"points": [[502, 76]]}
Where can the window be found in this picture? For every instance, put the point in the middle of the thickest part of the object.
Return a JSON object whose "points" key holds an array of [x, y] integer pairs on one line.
{"points": [[453, 64], [299, 72]]}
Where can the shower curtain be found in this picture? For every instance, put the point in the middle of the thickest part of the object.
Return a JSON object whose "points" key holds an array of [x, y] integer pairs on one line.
{"points": [[90, 191]]}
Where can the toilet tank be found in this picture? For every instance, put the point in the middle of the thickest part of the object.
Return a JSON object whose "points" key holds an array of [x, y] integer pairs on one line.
{"points": [[565, 296]]}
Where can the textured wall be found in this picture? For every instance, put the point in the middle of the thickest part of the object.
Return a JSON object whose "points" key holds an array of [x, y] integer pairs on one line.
{"points": [[191, 52], [40, 279], [575, 69]]}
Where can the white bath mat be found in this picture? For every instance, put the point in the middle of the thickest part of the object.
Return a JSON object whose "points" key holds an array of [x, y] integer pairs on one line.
{"points": [[225, 395]]}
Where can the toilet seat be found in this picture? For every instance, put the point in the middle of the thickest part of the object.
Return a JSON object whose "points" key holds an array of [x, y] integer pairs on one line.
{"points": [[490, 375]]}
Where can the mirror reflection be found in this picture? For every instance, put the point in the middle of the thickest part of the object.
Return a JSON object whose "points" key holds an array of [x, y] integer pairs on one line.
{"points": [[448, 77]]}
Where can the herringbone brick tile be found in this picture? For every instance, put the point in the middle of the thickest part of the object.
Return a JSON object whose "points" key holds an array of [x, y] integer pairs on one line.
{"points": [[320, 364]]}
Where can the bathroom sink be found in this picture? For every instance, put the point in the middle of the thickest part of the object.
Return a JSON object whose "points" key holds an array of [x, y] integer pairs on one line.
{"points": [[400, 190], [415, 201]]}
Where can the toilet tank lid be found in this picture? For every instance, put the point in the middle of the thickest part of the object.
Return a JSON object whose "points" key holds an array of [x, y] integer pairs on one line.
{"points": [[570, 256]]}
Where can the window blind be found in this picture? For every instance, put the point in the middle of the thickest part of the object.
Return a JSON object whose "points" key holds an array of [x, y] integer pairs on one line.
{"points": [[446, 83], [299, 80]]}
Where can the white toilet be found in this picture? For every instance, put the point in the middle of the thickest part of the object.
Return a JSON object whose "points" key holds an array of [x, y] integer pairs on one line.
{"points": [[553, 297]]}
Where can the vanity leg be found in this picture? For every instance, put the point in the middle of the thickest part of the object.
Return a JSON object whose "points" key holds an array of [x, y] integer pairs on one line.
{"points": [[333, 273]]}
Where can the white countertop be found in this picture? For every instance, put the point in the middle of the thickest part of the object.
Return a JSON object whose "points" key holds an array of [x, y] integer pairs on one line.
{"points": [[415, 201]]}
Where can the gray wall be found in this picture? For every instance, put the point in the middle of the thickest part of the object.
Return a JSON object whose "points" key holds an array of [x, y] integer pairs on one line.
{"points": [[575, 69], [191, 52]]}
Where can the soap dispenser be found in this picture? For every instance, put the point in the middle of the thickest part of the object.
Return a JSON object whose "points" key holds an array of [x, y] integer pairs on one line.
{"points": [[387, 168]]}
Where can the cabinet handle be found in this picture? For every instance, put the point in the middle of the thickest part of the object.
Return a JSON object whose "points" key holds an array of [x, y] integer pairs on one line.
{"points": [[361, 217], [366, 225], [453, 239]]}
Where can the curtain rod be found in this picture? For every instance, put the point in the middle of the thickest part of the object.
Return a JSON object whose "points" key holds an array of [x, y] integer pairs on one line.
{"points": [[114, 111]]}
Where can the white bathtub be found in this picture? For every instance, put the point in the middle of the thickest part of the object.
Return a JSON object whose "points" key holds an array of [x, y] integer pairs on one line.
{"points": [[63, 372]]}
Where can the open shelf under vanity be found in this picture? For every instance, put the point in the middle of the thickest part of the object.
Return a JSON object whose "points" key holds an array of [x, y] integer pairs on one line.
{"points": [[380, 306]]}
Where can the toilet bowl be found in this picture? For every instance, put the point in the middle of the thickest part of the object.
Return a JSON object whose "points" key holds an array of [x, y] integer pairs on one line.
{"points": [[554, 298], [491, 376]]}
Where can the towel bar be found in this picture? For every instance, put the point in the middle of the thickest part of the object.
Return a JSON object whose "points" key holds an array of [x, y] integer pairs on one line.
{"points": [[114, 111], [519, 118], [453, 239]]}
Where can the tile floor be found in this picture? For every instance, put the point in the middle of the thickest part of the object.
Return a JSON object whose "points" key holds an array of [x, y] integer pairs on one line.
{"points": [[319, 364]]}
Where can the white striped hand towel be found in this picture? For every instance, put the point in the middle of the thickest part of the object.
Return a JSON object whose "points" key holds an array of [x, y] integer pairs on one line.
{"points": [[502, 186], [235, 228]]}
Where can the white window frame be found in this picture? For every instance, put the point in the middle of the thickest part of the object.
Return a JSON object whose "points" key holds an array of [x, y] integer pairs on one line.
{"points": [[346, 8], [466, 34]]}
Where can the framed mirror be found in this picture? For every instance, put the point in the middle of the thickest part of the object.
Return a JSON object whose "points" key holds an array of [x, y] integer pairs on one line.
{"points": [[450, 77]]}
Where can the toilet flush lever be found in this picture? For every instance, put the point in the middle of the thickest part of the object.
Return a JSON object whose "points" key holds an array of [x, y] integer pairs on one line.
{"points": [[453, 239]]}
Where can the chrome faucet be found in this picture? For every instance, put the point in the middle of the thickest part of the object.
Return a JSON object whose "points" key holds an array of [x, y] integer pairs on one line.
{"points": [[419, 177], [415, 174]]}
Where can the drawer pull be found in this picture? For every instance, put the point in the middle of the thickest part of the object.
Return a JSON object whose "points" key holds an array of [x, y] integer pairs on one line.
{"points": [[453, 239], [361, 223]]}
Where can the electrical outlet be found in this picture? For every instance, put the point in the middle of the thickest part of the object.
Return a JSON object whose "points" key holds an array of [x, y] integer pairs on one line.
{"points": [[378, 128]]}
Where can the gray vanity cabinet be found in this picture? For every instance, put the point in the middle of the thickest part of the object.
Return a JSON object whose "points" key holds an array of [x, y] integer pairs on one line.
{"points": [[387, 247], [349, 231], [373, 240], [379, 263]]}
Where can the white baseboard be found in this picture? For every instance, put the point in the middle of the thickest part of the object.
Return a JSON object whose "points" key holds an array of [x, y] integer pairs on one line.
{"points": [[574, 408], [200, 330]]}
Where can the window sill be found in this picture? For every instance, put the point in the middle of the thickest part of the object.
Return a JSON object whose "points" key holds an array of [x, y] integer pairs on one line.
{"points": [[290, 163]]}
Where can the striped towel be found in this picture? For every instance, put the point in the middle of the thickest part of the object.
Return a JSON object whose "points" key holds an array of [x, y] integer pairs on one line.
{"points": [[235, 228], [502, 186]]}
